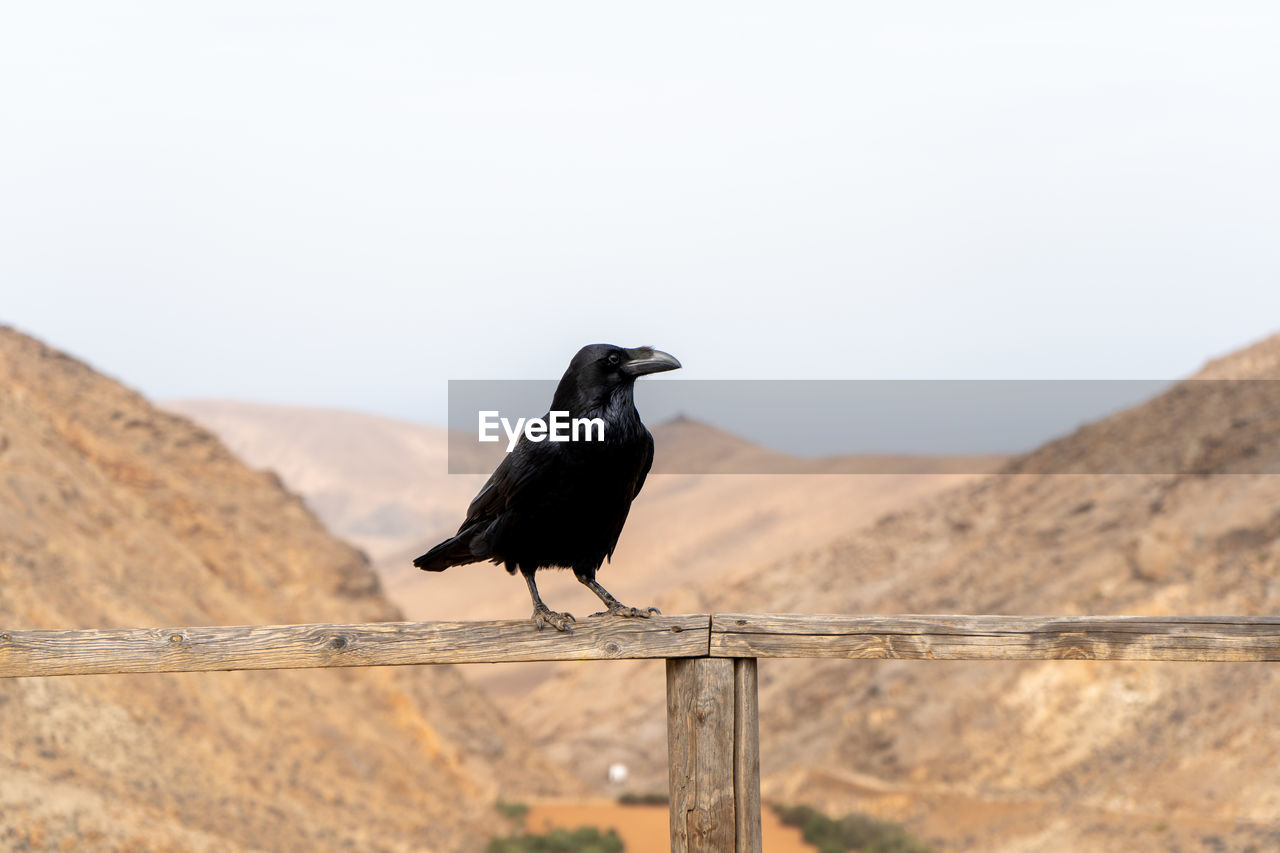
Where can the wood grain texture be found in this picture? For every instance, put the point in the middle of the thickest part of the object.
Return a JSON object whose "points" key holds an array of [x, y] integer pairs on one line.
{"points": [[39, 653], [726, 635], [746, 757], [682, 792], [700, 750], [1170, 638]]}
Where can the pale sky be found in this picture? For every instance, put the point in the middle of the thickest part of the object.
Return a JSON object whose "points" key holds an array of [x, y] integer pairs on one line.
{"points": [[346, 204]]}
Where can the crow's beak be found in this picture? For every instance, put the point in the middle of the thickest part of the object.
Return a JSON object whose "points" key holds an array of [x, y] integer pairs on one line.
{"points": [[645, 360]]}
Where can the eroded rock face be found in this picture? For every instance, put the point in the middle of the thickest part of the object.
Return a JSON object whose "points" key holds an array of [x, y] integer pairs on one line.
{"points": [[116, 514]]}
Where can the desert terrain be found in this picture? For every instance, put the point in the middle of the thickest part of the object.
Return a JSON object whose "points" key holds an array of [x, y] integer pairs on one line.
{"points": [[992, 756]]}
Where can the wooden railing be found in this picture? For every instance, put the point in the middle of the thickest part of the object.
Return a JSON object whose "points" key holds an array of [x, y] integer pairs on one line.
{"points": [[712, 719]]}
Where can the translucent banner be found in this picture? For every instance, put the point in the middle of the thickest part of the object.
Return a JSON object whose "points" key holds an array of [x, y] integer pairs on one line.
{"points": [[900, 426]]}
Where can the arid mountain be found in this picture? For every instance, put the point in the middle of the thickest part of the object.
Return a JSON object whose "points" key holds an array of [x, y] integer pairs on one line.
{"points": [[114, 513], [1026, 756]]}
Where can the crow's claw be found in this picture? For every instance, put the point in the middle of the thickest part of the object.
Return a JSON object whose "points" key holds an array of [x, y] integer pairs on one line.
{"points": [[629, 612], [543, 616]]}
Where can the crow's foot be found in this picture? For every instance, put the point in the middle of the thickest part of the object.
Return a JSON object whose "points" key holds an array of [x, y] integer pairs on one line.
{"points": [[629, 612], [543, 616]]}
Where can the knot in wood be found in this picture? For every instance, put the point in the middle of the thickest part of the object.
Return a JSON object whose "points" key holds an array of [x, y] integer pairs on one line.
{"points": [[175, 638], [611, 648], [338, 643]]}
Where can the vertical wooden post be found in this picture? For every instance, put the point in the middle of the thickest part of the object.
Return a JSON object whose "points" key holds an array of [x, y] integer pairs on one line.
{"points": [[746, 756], [713, 754], [700, 754]]}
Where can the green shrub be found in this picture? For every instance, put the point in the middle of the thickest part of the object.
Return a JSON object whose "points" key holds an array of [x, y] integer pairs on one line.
{"points": [[584, 839], [512, 811], [631, 799], [854, 832]]}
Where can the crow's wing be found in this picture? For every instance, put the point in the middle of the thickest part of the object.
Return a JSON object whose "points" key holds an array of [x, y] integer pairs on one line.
{"points": [[520, 471], [645, 464], [648, 463]]}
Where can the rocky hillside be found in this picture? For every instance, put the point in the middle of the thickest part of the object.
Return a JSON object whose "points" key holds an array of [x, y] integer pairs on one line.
{"points": [[113, 513], [1027, 756]]}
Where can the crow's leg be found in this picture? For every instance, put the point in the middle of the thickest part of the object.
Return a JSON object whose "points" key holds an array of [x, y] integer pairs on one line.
{"points": [[616, 608], [543, 615]]}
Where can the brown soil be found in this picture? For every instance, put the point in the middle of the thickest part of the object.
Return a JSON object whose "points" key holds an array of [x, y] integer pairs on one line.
{"points": [[644, 829]]}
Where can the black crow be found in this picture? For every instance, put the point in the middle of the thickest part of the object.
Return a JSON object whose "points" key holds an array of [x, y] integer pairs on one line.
{"points": [[564, 503]]}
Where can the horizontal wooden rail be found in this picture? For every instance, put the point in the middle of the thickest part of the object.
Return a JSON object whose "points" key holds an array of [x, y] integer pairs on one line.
{"points": [[1168, 638], [368, 644], [728, 635]]}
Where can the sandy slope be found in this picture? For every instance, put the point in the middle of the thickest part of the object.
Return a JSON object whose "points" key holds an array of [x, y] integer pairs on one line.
{"points": [[378, 483], [113, 513]]}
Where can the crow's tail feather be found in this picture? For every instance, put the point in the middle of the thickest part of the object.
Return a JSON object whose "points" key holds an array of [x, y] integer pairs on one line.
{"points": [[450, 552]]}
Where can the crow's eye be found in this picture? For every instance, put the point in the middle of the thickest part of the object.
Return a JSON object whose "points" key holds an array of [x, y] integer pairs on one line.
{"points": [[615, 359]]}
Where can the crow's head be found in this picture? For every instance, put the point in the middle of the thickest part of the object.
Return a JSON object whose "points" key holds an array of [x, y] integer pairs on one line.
{"points": [[598, 371]]}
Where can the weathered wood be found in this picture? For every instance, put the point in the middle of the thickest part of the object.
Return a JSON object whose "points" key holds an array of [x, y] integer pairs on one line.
{"points": [[1167, 638], [700, 694], [1172, 638], [746, 757], [37, 653]]}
